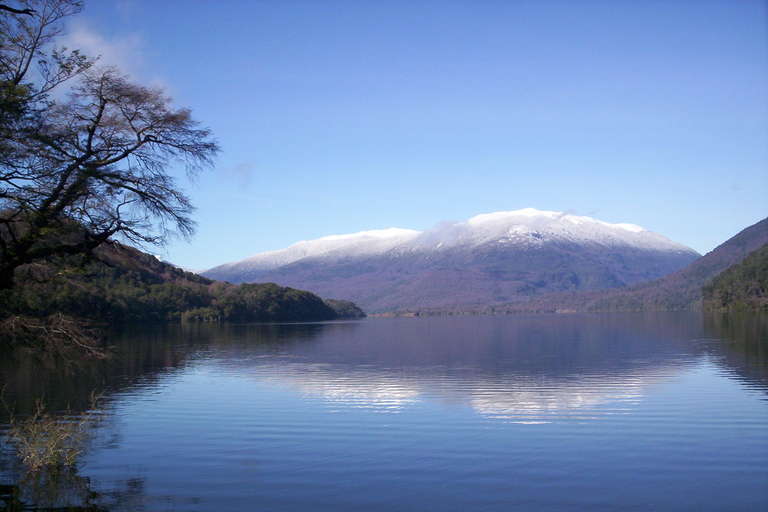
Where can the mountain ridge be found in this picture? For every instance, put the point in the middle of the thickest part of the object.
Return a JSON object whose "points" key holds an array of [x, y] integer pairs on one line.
{"points": [[488, 259], [681, 290]]}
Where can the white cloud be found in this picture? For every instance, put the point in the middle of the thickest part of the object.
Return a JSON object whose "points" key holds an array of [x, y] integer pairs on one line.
{"points": [[126, 52]]}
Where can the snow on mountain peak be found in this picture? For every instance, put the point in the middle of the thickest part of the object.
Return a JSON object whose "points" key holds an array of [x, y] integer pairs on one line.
{"points": [[376, 233], [532, 217], [531, 226], [526, 228], [629, 227], [486, 218], [356, 244]]}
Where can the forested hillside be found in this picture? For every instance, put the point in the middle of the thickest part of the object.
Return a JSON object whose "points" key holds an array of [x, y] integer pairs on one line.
{"points": [[741, 287], [126, 286]]}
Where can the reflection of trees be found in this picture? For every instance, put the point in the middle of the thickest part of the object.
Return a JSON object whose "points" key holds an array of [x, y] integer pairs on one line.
{"points": [[62, 489], [136, 357], [741, 344], [65, 489], [141, 356]]}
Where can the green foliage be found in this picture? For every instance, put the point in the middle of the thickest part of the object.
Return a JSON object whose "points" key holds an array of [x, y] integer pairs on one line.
{"points": [[269, 303], [345, 308], [203, 315], [741, 287], [134, 287]]}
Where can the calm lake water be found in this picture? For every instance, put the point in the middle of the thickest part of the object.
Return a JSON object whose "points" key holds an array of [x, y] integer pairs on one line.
{"points": [[553, 413]]}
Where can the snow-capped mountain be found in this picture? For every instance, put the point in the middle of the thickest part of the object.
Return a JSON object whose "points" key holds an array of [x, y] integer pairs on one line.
{"points": [[531, 227], [358, 244], [489, 259]]}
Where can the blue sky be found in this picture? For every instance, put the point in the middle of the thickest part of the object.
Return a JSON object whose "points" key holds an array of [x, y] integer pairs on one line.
{"points": [[341, 116]]}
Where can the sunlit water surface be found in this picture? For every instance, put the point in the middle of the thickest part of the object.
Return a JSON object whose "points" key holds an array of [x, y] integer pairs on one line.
{"points": [[552, 413]]}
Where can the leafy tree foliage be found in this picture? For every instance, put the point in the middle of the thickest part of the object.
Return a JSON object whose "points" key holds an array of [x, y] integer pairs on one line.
{"points": [[85, 153]]}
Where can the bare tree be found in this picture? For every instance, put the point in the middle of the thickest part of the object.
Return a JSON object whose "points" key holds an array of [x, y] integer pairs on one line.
{"points": [[77, 172], [4, 7]]}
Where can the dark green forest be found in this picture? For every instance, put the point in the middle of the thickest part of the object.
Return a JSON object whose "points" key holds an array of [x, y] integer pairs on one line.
{"points": [[741, 287], [127, 286]]}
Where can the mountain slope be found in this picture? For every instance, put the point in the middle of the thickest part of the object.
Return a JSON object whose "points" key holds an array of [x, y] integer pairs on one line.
{"points": [[679, 290], [740, 287], [366, 243], [489, 259]]}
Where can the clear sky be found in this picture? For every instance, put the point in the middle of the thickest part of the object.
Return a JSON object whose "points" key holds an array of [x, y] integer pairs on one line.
{"points": [[342, 116]]}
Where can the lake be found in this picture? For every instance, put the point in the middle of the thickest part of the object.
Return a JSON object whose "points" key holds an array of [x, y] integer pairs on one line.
{"points": [[656, 411]]}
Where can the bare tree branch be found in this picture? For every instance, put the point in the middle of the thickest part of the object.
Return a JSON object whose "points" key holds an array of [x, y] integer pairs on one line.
{"points": [[56, 340], [28, 12], [94, 165]]}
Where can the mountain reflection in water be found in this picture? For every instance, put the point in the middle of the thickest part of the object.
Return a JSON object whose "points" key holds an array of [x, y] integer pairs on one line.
{"points": [[525, 369], [556, 412], [499, 365]]}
